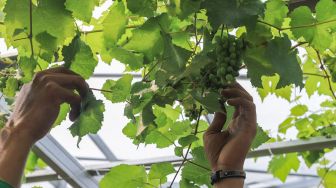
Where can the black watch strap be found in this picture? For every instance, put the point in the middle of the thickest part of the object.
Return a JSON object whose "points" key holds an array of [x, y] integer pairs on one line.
{"points": [[223, 174]]}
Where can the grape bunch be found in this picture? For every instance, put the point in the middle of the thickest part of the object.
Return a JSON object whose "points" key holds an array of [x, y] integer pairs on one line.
{"points": [[192, 113], [226, 65], [5, 74]]}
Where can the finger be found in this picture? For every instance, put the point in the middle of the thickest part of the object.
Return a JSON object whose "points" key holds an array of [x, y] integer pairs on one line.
{"points": [[67, 81], [67, 96], [242, 104], [217, 123], [62, 70], [235, 92]]}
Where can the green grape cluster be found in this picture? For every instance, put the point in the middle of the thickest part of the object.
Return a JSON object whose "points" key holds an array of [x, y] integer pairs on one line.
{"points": [[5, 74], [192, 113], [226, 66]]}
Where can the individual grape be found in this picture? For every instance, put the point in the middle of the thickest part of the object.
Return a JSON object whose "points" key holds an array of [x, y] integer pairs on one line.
{"points": [[229, 78], [226, 65]]}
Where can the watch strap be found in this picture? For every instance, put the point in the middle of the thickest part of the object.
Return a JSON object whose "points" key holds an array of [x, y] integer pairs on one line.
{"points": [[224, 174]]}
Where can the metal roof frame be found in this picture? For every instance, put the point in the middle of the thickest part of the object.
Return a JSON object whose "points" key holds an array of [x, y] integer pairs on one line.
{"points": [[268, 149]]}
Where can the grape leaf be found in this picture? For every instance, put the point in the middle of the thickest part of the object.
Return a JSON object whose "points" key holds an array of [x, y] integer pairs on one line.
{"points": [[125, 176], [90, 119], [27, 66], [64, 110], [118, 90], [210, 101], [299, 110], [275, 12], [311, 157], [306, 25], [276, 58], [144, 8], [81, 9], [286, 124], [51, 16], [329, 177], [132, 60], [232, 13], [269, 85], [161, 171], [114, 24], [194, 173], [12, 85], [175, 58], [260, 138], [185, 141], [147, 39], [79, 58], [16, 17], [183, 8], [281, 165]]}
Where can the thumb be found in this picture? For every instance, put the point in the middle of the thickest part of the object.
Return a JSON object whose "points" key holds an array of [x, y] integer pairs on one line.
{"points": [[217, 123]]}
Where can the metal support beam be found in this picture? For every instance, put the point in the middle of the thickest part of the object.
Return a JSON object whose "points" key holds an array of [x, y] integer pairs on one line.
{"points": [[304, 183], [63, 163], [103, 147], [312, 144], [316, 143]]}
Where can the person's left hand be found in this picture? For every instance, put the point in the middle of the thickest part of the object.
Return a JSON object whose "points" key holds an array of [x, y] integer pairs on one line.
{"points": [[38, 103]]}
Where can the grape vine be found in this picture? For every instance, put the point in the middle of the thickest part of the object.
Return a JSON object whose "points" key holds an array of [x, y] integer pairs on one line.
{"points": [[187, 51]]}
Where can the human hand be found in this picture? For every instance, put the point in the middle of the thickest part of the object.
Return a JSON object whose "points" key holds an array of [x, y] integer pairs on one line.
{"points": [[38, 103], [226, 150]]}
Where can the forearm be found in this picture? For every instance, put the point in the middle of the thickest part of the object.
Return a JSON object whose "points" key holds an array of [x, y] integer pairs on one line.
{"points": [[14, 149], [230, 183]]}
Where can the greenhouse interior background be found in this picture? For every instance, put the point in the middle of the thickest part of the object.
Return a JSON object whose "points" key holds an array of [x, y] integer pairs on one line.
{"points": [[97, 153]]}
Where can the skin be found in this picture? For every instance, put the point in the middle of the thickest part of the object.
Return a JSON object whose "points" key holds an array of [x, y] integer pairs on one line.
{"points": [[227, 149], [49, 89], [28, 123]]}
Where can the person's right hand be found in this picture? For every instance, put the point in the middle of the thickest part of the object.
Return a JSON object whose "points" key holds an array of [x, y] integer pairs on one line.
{"points": [[227, 149], [38, 103]]}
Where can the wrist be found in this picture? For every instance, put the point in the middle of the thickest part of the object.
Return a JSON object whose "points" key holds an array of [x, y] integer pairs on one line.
{"points": [[11, 135]]}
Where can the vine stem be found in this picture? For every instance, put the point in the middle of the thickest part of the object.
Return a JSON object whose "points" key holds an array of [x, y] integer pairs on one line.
{"points": [[102, 90], [325, 174], [205, 168], [188, 150], [150, 70], [296, 27], [326, 74], [31, 27], [298, 44], [22, 38], [314, 74]]}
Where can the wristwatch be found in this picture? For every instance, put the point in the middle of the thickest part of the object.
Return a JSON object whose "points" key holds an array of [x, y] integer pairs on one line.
{"points": [[224, 174]]}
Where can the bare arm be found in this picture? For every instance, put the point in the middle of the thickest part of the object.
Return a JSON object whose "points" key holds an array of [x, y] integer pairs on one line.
{"points": [[227, 149], [36, 109]]}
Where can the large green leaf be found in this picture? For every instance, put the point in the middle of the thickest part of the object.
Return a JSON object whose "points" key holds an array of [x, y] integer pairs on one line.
{"points": [[82, 9], [161, 171], [174, 58], [232, 13], [194, 173], [115, 24], [125, 176], [145, 8], [79, 58], [90, 119], [147, 39], [281, 165], [317, 30], [276, 58], [118, 91], [275, 12], [260, 138]]}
